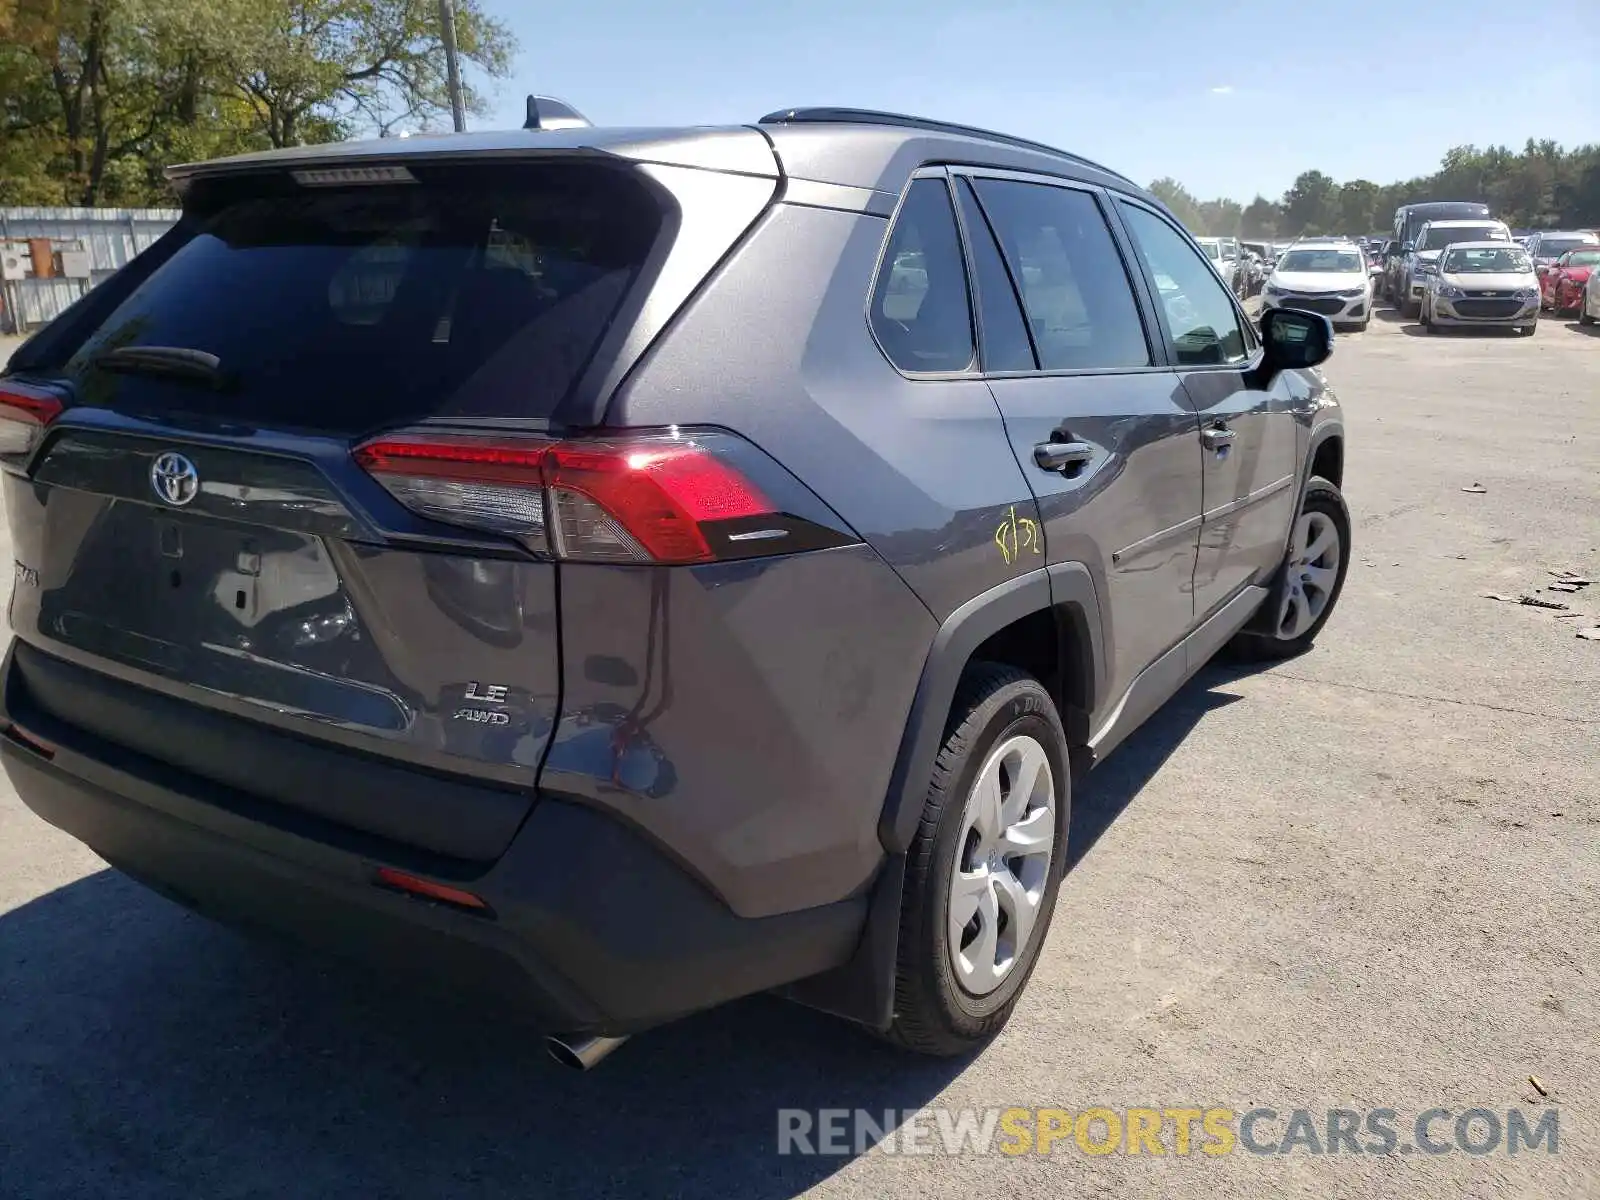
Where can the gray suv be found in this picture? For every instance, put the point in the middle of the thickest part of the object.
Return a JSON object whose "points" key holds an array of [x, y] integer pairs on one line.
{"points": [[642, 568]]}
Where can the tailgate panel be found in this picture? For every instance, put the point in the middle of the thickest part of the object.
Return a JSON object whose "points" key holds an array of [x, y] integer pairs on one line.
{"points": [[266, 601]]}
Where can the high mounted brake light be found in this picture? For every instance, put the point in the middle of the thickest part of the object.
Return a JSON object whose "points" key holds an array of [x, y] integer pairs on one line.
{"points": [[24, 413], [631, 497]]}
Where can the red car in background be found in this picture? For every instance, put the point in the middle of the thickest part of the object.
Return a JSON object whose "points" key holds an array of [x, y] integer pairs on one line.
{"points": [[1562, 284]]}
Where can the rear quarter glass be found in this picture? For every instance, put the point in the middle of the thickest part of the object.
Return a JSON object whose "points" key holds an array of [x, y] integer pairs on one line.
{"points": [[473, 292]]}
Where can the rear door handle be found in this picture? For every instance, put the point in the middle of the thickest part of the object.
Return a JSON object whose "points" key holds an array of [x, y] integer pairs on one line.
{"points": [[1217, 437], [1058, 456]]}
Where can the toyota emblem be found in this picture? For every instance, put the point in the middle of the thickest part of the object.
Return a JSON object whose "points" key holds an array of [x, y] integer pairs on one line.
{"points": [[174, 479]]}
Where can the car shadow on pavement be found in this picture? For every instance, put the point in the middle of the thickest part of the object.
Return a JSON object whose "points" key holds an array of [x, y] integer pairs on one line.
{"points": [[146, 1052], [1581, 330], [1461, 331], [1101, 796]]}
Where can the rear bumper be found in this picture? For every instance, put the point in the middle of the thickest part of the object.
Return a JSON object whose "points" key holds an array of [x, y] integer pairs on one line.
{"points": [[590, 927]]}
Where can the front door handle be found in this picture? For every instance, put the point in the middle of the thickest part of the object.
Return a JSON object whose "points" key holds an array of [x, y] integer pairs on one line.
{"points": [[1059, 456], [1217, 437]]}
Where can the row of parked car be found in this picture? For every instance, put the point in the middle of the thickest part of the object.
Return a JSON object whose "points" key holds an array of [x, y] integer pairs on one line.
{"points": [[1475, 272], [1451, 270]]}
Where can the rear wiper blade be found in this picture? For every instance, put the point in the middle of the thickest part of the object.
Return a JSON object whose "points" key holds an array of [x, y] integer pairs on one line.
{"points": [[172, 362]]}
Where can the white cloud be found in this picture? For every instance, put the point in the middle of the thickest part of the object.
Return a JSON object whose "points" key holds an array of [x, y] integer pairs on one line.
{"points": [[1224, 89]]}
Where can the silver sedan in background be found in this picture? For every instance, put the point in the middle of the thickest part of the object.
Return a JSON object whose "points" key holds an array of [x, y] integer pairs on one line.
{"points": [[1482, 283]]}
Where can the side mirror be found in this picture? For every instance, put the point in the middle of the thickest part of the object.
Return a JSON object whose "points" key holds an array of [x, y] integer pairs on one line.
{"points": [[1293, 339]]}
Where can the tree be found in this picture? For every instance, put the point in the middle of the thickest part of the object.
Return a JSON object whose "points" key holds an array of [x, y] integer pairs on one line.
{"points": [[96, 96], [1357, 208], [1220, 218], [1259, 220], [1309, 206], [1183, 205], [319, 69]]}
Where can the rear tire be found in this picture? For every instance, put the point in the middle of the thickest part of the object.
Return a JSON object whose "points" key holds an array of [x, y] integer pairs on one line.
{"points": [[955, 989], [1272, 634]]}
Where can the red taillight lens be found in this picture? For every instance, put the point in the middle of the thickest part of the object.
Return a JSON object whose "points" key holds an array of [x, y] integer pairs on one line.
{"points": [[642, 497], [24, 413], [642, 500]]}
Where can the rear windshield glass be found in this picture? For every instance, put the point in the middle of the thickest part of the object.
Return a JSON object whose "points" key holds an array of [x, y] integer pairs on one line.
{"points": [[470, 292], [1556, 247]]}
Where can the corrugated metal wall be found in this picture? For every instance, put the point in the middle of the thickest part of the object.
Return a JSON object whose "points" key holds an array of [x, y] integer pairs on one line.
{"points": [[110, 237]]}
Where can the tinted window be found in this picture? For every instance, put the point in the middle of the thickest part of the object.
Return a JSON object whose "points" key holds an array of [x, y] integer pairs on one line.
{"points": [[472, 292], [1556, 247], [1204, 324], [1074, 288], [1005, 337], [920, 310]]}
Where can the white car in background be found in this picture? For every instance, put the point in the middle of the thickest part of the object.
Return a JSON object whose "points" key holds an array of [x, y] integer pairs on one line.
{"points": [[1225, 259], [1328, 277], [1482, 283]]}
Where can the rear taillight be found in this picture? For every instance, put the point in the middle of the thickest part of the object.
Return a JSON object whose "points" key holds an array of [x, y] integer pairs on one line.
{"points": [[24, 413], [669, 496]]}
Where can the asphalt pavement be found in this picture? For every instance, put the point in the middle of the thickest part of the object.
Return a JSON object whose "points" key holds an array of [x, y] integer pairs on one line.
{"points": [[1363, 879]]}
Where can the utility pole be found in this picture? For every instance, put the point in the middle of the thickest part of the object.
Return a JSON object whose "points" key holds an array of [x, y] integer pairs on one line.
{"points": [[447, 29]]}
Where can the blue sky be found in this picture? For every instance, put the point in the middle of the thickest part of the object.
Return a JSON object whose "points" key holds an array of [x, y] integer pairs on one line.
{"points": [[1229, 98]]}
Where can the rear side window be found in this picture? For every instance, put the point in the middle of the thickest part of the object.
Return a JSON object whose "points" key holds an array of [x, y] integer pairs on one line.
{"points": [[920, 310], [472, 292], [1006, 346], [1075, 291]]}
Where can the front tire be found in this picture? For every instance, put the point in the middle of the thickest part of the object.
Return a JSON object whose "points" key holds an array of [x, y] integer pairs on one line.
{"points": [[984, 868], [1308, 582], [1584, 316], [1423, 318]]}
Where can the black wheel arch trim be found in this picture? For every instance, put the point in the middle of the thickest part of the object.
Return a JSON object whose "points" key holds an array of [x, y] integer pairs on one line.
{"points": [[1068, 589], [862, 990], [1330, 430]]}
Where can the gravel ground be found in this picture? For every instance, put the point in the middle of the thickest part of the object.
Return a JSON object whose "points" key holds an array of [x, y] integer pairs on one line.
{"points": [[1362, 879]]}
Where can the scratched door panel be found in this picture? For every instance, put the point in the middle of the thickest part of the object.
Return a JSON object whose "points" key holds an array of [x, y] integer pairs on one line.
{"points": [[1131, 514], [1106, 437]]}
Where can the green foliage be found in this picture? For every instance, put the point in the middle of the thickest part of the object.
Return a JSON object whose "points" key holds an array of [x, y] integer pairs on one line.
{"points": [[1543, 186], [97, 96]]}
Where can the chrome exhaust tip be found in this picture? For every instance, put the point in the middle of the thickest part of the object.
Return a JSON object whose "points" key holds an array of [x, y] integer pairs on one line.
{"points": [[580, 1053]]}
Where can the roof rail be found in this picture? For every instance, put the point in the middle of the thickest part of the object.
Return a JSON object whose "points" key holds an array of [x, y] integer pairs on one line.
{"points": [[868, 116]]}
